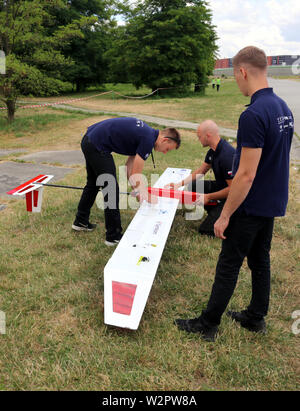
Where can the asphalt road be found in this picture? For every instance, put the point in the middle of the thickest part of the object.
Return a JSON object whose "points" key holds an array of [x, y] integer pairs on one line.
{"points": [[289, 90]]}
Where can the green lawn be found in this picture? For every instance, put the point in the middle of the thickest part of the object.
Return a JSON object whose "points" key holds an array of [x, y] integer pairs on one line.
{"points": [[223, 107], [51, 289]]}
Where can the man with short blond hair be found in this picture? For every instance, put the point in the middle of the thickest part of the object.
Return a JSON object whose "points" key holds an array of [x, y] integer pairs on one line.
{"points": [[258, 193], [252, 57]]}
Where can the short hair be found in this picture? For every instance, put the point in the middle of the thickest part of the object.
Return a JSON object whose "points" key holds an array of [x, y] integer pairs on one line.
{"points": [[172, 134], [253, 56]]}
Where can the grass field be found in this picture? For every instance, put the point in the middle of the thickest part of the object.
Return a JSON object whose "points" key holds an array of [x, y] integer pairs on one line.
{"points": [[51, 282], [225, 106]]}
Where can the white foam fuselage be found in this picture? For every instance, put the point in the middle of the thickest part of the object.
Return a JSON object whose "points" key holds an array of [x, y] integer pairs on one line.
{"points": [[130, 272]]}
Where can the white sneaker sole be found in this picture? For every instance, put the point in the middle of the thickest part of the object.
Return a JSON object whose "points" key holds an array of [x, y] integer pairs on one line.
{"points": [[76, 228], [111, 244]]}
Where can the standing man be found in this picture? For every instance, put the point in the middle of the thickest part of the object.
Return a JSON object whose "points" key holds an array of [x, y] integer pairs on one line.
{"points": [[220, 159], [218, 83], [127, 136], [213, 83], [258, 193]]}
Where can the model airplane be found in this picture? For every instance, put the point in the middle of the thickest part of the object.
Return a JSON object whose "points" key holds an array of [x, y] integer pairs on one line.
{"points": [[33, 190], [130, 272]]}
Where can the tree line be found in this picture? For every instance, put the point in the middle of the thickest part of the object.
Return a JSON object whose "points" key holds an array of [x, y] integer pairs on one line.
{"points": [[50, 44]]}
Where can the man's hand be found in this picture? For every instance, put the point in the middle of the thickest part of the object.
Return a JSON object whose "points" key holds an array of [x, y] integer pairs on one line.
{"points": [[220, 226], [173, 186], [143, 195], [203, 200]]}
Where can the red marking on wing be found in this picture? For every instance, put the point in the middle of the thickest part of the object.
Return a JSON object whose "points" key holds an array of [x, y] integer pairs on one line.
{"points": [[123, 296], [185, 197], [41, 179]]}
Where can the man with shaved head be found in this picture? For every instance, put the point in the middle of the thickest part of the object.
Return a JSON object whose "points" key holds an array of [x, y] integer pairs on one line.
{"points": [[258, 193], [219, 158]]}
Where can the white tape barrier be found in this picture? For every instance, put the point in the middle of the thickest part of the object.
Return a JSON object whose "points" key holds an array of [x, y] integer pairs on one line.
{"points": [[130, 272]]}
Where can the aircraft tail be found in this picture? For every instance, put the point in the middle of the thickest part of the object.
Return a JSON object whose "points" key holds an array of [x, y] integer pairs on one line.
{"points": [[33, 191]]}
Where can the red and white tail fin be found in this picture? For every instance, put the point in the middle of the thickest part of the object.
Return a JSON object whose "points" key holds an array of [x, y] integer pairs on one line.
{"points": [[33, 190]]}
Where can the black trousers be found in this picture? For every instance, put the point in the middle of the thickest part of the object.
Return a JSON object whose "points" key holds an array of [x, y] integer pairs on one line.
{"points": [[99, 163], [246, 236], [213, 212]]}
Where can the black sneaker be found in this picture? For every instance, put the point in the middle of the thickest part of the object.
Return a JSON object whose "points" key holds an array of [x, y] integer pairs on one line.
{"points": [[112, 243], [246, 322], [83, 227], [195, 326]]}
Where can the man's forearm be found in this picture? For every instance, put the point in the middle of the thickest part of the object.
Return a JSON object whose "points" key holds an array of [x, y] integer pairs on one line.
{"points": [[196, 174], [129, 165], [136, 179], [219, 195]]}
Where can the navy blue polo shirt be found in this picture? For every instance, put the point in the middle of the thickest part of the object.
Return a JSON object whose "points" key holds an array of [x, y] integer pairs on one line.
{"points": [[124, 135], [221, 161], [267, 123]]}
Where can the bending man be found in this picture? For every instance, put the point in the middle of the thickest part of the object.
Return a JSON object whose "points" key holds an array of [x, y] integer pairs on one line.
{"points": [[127, 136]]}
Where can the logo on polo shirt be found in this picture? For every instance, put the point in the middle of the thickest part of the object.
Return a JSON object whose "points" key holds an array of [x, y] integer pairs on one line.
{"points": [[147, 155], [139, 123], [285, 122]]}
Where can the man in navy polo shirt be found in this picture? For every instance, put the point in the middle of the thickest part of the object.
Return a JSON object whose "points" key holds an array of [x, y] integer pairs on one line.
{"points": [[219, 158], [128, 136], [258, 193]]}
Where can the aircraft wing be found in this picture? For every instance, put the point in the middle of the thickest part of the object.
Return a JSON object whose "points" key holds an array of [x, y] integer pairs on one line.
{"points": [[130, 272]]}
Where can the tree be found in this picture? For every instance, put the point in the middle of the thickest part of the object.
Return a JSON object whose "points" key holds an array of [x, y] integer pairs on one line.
{"points": [[166, 43], [34, 61], [87, 52]]}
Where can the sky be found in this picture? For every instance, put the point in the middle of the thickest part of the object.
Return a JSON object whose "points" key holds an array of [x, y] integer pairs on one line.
{"points": [[273, 25]]}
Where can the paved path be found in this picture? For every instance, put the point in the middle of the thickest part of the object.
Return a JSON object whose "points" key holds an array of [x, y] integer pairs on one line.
{"points": [[4, 153], [13, 174], [69, 157], [166, 122], [295, 151], [289, 90]]}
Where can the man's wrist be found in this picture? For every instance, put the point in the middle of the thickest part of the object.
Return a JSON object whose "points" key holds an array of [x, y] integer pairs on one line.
{"points": [[224, 215]]}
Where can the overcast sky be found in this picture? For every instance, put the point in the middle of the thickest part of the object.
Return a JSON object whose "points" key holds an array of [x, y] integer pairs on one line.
{"points": [[273, 25]]}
